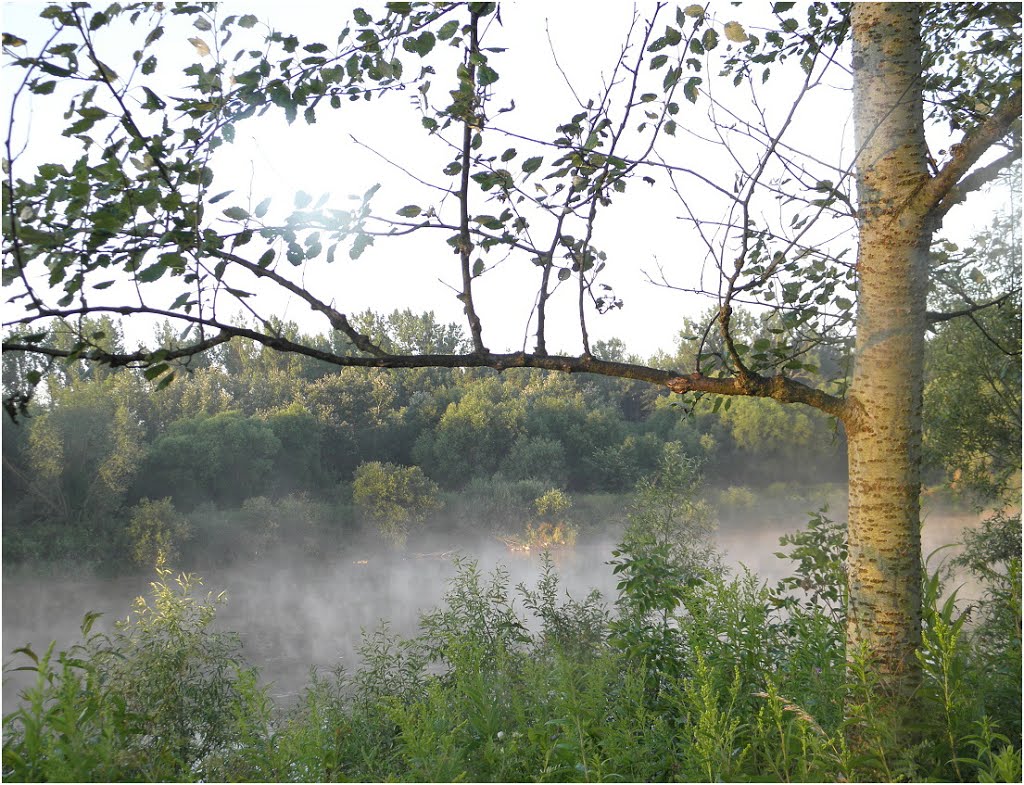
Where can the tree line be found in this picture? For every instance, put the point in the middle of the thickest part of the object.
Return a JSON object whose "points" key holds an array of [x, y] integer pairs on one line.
{"points": [[244, 422]]}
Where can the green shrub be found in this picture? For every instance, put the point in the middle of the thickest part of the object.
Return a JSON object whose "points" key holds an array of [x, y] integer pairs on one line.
{"points": [[155, 531], [497, 504], [668, 510], [394, 498], [153, 701]]}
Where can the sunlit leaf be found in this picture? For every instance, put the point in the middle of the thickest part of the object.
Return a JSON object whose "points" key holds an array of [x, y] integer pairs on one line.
{"points": [[734, 32], [201, 46]]}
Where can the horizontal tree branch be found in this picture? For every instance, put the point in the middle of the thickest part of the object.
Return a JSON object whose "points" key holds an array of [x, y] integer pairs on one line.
{"points": [[120, 359], [780, 388], [934, 317]]}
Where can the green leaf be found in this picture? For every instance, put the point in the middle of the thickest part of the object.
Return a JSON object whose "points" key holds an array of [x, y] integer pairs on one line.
{"points": [[709, 39], [221, 195], [690, 88], [478, 267], [180, 301], [172, 260], [563, 274], [658, 61], [266, 259], [531, 165], [152, 273], [236, 213], [410, 211], [486, 75], [448, 29], [247, 21], [262, 207], [361, 17], [508, 155], [424, 43]]}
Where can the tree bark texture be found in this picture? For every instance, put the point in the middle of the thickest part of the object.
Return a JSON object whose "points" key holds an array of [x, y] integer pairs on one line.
{"points": [[884, 408]]}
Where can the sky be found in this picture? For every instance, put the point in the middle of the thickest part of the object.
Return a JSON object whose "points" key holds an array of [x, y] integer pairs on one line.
{"points": [[645, 233]]}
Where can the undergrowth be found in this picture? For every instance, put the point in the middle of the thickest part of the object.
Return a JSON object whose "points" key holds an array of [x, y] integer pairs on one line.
{"points": [[692, 674]]}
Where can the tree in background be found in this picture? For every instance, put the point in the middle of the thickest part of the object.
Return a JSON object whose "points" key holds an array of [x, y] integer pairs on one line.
{"points": [[394, 498], [225, 459], [155, 532], [84, 454], [972, 390], [139, 204]]}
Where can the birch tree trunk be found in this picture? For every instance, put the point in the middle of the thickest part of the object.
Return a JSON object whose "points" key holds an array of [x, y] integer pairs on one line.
{"points": [[884, 416]]}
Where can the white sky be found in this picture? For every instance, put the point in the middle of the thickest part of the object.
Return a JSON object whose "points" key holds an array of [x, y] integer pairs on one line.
{"points": [[639, 233]]}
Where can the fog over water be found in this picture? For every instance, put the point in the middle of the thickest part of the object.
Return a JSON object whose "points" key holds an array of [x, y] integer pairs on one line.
{"points": [[292, 614]]}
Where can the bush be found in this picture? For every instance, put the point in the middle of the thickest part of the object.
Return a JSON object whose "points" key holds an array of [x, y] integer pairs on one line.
{"points": [[993, 554], [151, 702], [496, 503], [737, 497], [394, 498], [667, 510], [155, 531]]}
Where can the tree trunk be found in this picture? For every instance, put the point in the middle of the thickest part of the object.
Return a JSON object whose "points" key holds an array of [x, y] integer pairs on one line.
{"points": [[884, 419]]}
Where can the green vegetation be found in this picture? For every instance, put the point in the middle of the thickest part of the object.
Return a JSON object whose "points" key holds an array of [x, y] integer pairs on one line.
{"points": [[394, 497], [232, 443], [699, 677], [692, 674]]}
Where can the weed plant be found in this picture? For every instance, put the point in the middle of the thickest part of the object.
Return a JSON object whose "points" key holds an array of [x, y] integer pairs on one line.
{"points": [[691, 675]]}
